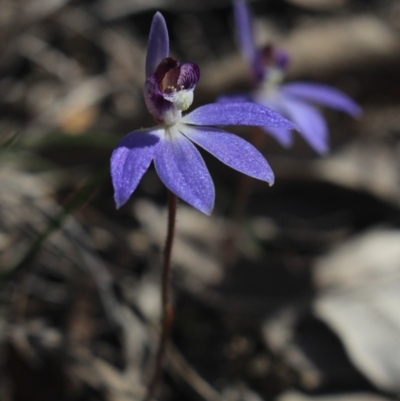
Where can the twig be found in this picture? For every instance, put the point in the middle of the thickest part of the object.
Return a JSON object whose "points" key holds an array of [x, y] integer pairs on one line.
{"points": [[178, 364]]}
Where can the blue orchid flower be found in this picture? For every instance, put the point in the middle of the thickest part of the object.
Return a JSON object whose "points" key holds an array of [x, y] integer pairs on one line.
{"points": [[293, 100], [168, 91]]}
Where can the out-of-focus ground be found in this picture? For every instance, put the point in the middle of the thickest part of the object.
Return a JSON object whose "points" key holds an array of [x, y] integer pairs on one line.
{"points": [[306, 307]]}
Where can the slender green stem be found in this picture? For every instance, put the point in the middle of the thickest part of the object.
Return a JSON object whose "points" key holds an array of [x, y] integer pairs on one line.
{"points": [[167, 308]]}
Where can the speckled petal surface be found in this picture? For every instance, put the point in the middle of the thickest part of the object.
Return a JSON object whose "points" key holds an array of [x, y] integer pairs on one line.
{"points": [[322, 94], [312, 124], [158, 44], [236, 113], [130, 160], [231, 150], [183, 171]]}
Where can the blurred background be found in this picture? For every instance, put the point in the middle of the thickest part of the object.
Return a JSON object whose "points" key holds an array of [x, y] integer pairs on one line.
{"points": [[300, 302]]}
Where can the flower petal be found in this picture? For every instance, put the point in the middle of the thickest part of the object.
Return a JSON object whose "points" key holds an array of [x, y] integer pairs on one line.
{"points": [[282, 135], [323, 94], [312, 124], [236, 113], [183, 171], [231, 150], [130, 160], [244, 30], [158, 44]]}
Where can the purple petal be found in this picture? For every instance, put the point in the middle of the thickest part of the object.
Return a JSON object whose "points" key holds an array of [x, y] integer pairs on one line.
{"points": [[158, 44], [282, 135], [244, 30], [231, 150], [312, 124], [323, 94], [183, 171], [130, 160], [236, 113]]}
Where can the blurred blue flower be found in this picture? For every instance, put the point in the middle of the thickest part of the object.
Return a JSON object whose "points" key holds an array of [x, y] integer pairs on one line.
{"points": [[268, 66], [168, 91]]}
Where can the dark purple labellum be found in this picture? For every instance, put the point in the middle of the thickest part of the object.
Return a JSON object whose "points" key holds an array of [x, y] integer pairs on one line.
{"points": [[169, 91], [269, 57], [274, 57], [172, 77]]}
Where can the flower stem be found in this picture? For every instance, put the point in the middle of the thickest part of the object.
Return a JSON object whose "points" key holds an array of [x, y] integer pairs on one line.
{"points": [[167, 308]]}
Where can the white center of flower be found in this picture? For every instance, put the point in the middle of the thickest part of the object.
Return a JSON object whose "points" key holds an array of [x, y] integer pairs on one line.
{"points": [[171, 116], [182, 99], [270, 85], [173, 131]]}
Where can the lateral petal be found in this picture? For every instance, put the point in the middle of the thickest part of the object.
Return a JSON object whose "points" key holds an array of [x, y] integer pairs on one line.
{"points": [[282, 135], [231, 150], [183, 171], [312, 124], [322, 94], [130, 160], [236, 113], [158, 44]]}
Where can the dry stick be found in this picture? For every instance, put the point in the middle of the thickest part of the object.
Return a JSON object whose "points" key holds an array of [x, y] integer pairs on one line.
{"points": [[168, 311]]}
